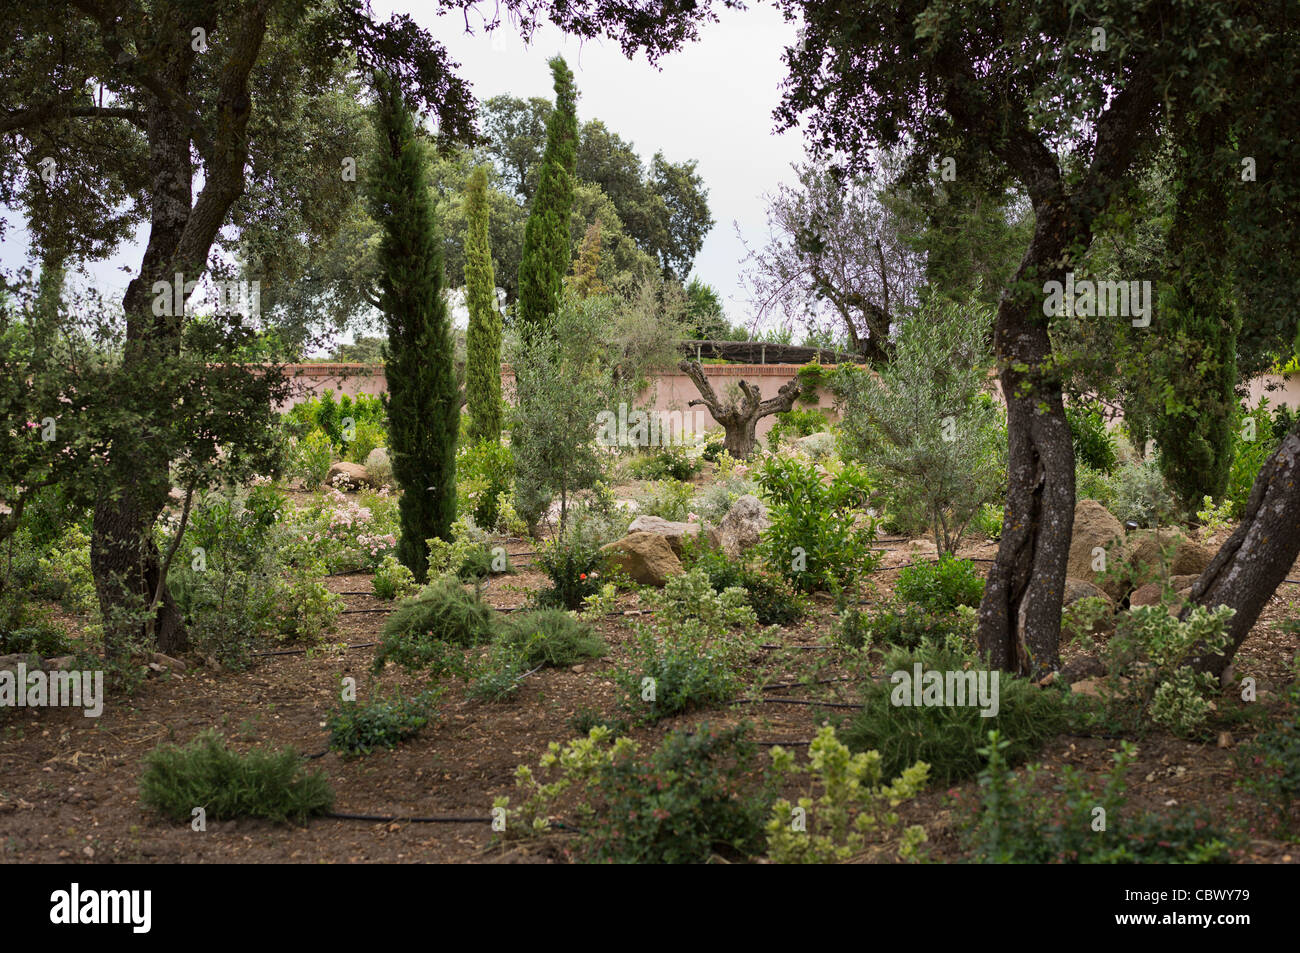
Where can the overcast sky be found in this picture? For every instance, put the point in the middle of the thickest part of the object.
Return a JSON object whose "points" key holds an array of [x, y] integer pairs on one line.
{"points": [[711, 102]]}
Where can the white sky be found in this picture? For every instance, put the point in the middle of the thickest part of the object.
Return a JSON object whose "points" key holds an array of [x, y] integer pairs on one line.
{"points": [[711, 102]]}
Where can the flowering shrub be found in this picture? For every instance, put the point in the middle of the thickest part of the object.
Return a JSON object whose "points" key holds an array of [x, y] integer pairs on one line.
{"points": [[349, 533]]}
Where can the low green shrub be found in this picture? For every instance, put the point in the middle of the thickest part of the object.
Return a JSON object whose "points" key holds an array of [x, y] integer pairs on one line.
{"points": [[1269, 766], [392, 579], [854, 802], [359, 728], [794, 423], [550, 637], [574, 564], [1078, 823], [275, 785], [1094, 444], [814, 539], [667, 678], [686, 802], [484, 472], [667, 499], [941, 586], [672, 462], [948, 737], [420, 629], [908, 626], [774, 601]]}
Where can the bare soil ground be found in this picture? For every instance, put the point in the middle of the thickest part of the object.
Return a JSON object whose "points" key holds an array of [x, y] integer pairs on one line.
{"points": [[68, 784]]}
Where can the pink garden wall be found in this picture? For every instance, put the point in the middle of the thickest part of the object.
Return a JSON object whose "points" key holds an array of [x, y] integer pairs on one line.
{"points": [[671, 390]]}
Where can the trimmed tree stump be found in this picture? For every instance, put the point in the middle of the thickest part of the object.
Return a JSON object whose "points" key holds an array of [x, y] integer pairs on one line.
{"points": [[739, 416]]}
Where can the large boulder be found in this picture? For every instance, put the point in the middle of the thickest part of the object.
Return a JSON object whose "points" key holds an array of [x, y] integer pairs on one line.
{"points": [[672, 531], [1149, 594], [343, 474], [741, 528], [1079, 619], [645, 557], [1095, 527], [1145, 552], [1076, 589]]}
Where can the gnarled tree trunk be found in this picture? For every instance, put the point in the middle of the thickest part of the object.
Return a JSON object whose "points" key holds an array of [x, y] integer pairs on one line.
{"points": [[739, 416], [1255, 559]]}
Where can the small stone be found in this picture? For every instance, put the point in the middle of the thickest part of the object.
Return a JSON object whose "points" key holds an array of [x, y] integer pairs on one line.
{"points": [[1225, 739], [578, 669]]}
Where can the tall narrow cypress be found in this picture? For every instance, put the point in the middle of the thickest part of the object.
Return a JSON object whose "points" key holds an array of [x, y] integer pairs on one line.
{"points": [[483, 338], [546, 253], [422, 402]]}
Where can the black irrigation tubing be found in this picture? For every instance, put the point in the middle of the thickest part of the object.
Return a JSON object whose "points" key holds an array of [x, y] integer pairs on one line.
{"points": [[354, 645], [364, 611], [392, 819], [820, 681], [793, 701]]}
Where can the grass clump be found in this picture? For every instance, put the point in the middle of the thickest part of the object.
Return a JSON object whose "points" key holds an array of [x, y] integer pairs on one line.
{"points": [[417, 634], [275, 785], [357, 728], [949, 737]]}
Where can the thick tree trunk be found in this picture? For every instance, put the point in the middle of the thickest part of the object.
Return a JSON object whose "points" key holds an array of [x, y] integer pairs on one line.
{"points": [[1020, 615], [739, 416], [123, 557], [1255, 559]]}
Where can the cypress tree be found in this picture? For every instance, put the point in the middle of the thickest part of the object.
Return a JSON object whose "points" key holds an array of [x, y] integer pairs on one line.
{"points": [[585, 281], [1196, 365], [422, 402], [483, 338], [546, 252]]}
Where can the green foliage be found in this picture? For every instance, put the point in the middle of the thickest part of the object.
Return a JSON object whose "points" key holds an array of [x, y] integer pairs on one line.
{"points": [[988, 521], [550, 637], [813, 539], [483, 337], [574, 564], [563, 382], [1269, 766], [1141, 495], [419, 629], [941, 586], [796, 422], [484, 472], [275, 785], [1147, 679], [311, 457], [665, 678], [392, 579], [547, 252], [1248, 455], [854, 804], [1094, 445], [908, 626], [667, 499], [684, 803], [359, 728], [301, 608], [948, 737], [423, 403], [671, 461], [1014, 823], [933, 439], [774, 601]]}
